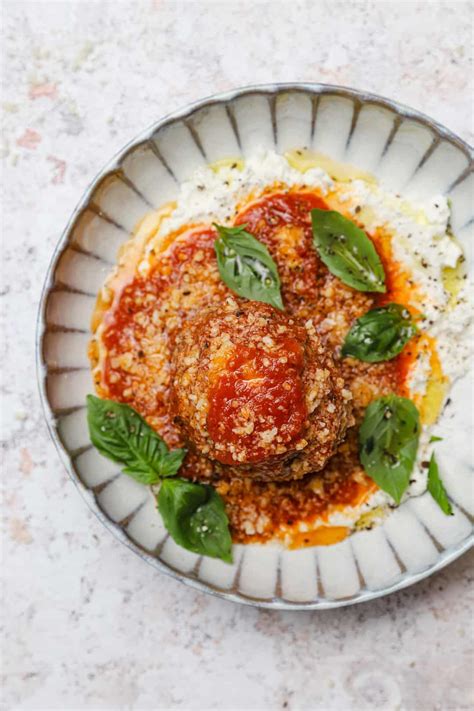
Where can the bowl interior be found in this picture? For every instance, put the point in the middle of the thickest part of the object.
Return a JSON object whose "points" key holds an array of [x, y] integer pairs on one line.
{"points": [[412, 156]]}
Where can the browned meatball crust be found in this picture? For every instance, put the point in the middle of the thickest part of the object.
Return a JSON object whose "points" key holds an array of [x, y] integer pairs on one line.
{"points": [[257, 392]]}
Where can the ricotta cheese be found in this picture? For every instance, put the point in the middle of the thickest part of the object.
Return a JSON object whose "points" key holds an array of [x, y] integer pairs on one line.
{"points": [[211, 195]]}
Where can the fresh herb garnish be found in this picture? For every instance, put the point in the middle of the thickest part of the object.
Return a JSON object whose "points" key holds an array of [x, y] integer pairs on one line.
{"points": [[195, 516], [246, 266], [380, 334], [434, 438], [347, 251], [120, 434], [436, 488], [388, 439]]}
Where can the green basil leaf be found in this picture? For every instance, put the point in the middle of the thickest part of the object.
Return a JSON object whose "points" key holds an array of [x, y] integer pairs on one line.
{"points": [[436, 488], [120, 434], [195, 517], [246, 266], [347, 251], [380, 334], [434, 438], [388, 439]]}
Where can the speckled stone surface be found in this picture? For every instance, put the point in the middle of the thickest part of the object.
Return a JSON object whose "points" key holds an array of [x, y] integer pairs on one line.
{"points": [[86, 623]]}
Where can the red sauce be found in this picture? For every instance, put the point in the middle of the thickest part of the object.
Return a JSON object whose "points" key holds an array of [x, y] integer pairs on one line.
{"points": [[400, 289], [398, 282], [185, 262], [170, 269], [181, 253], [298, 263], [281, 209], [267, 384]]}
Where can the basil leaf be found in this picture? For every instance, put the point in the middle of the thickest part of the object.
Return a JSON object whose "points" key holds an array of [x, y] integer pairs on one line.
{"points": [[388, 439], [120, 434], [436, 488], [380, 334], [195, 517], [347, 251], [434, 438], [246, 266]]}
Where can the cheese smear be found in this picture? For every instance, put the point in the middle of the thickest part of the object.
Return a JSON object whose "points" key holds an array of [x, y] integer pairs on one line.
{"points": [[421, 241]]}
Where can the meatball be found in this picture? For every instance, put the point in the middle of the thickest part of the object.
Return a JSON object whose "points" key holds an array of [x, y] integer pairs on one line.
{"points": [[257, 392]]}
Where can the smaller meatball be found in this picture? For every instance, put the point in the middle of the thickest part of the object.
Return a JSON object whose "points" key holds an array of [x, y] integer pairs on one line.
{"points": [[257, 392]]}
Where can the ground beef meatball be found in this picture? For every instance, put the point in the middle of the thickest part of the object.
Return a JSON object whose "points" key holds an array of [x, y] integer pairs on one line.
{"points": [[257, 392]]}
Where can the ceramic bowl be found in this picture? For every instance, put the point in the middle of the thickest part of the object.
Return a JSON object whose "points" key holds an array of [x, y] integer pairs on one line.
{"points": [[412, 155]]}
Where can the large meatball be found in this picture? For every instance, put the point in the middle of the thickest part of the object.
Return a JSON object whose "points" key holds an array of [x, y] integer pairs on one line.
{"points": [[257, 392]]}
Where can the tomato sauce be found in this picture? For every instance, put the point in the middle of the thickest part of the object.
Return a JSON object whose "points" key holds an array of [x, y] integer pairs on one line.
{"points": [[270, 386], [140, 328], [282, 221]]}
